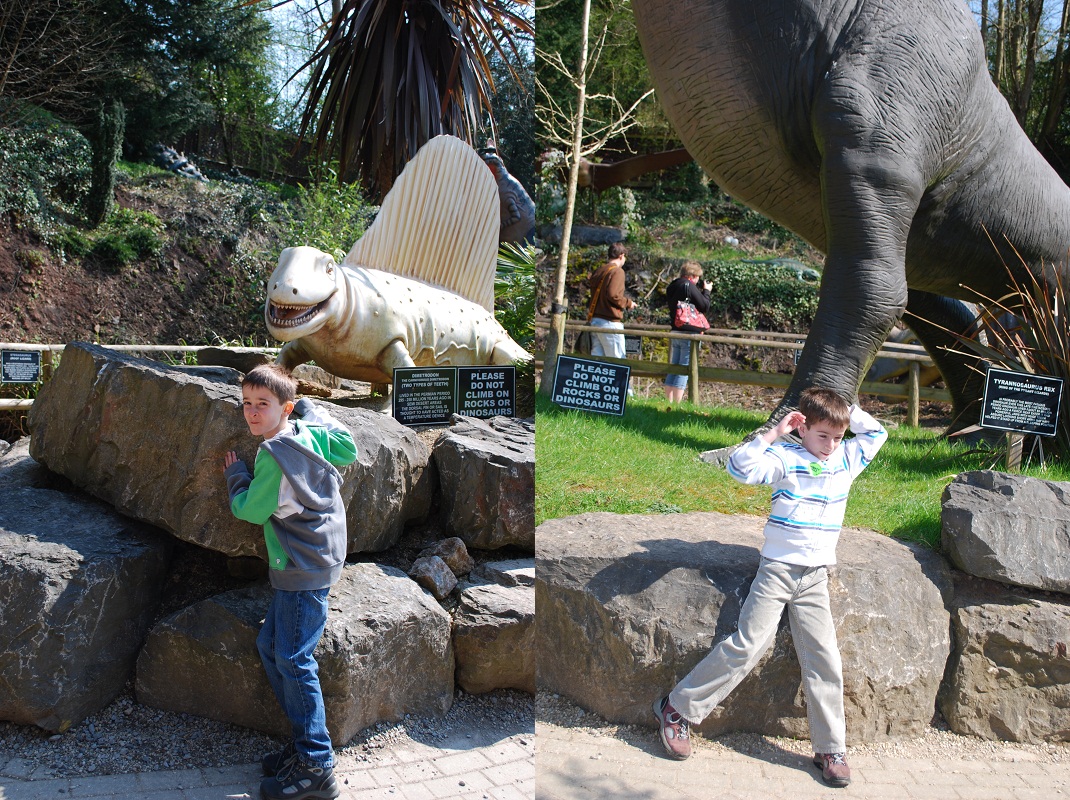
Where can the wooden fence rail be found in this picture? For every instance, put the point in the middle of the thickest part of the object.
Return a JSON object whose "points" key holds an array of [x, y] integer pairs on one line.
{"points": [[48, 350], [912, 391]]}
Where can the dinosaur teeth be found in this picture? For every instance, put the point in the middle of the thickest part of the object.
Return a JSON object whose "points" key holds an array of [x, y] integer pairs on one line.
{"points": [[291, 316]]}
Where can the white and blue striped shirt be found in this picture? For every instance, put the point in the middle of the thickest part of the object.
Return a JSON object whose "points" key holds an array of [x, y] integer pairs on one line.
{"points": [[804, 524]]}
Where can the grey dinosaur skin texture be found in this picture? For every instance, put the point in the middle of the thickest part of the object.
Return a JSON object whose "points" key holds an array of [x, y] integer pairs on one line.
{"points": [[874, 132]]}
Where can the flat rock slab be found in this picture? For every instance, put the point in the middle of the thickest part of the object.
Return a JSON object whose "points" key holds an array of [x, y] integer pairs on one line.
{"points": [[1009, 528], [79, 586], [512, 572], [487, 474], [149, 439], [1009, 673], [386, 652], [627, 605], [494, 638]]}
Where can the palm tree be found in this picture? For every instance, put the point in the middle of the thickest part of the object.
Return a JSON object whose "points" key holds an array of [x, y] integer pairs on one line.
{"points": [[390, 74]]}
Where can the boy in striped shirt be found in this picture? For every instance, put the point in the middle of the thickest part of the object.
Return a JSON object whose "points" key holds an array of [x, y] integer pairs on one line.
{"points": [[810, 483]]}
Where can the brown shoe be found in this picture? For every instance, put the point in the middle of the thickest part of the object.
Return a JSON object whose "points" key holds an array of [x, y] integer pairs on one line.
{"points": [[833, 768], [674, 729]]}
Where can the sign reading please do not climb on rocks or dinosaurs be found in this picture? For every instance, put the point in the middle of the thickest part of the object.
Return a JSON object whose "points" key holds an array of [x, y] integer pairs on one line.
{"points": [[591, 385]]}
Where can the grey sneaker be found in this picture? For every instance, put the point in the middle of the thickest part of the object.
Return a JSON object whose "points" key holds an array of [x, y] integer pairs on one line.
{"points": [[834, 769], [674, 729]]}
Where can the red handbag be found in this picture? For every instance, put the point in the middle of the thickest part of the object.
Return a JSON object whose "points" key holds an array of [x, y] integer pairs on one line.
{"points": [[688, 315]]}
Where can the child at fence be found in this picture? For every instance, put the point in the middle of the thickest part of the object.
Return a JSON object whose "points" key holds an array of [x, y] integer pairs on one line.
{"points": [[293, 492], [810, 483]]}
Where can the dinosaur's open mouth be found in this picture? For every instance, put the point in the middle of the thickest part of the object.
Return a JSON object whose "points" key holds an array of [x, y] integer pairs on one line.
{"points": [[289, 316]]}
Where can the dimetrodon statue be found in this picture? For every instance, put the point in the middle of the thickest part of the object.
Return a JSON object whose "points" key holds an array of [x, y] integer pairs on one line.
{"points": [[416, 290]]}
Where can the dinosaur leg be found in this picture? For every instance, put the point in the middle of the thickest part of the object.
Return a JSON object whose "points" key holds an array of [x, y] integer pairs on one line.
{"points": [[392, 357], [508, 352], [935, 320], [871, 185], [292, 354]]}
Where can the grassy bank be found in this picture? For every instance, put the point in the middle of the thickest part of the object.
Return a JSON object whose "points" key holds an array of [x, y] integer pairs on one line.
{"points": [[646, 462]]}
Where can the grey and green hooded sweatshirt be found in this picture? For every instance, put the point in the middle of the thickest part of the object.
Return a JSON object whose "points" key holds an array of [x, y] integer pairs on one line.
{"points": [[294, 493]]}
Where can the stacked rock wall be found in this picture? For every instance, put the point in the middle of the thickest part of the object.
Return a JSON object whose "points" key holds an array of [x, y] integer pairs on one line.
{"points": [[627, 605], [138, 447]]}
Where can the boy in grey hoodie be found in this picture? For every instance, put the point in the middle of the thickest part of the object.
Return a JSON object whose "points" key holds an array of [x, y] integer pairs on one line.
{"points": [[293, 492]]}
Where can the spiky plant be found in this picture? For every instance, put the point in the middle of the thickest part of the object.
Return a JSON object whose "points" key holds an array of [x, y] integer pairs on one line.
{"points": [[391, 74], [1027, 331], [514, 292]]}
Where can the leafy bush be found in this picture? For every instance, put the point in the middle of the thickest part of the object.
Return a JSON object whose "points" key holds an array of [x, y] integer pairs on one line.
{"points": [[514, 292], [126, 237], [44, 172], [326, 215], [760, 295]]}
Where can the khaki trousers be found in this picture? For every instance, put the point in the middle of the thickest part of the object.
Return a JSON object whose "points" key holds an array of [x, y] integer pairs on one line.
{"points": [[804, 590]]}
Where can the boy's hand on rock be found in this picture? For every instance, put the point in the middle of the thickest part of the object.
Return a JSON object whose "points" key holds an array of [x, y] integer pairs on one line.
{"points": [[229, 459]]}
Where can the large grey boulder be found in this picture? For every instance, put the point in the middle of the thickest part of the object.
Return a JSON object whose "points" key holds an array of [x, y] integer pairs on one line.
{"points": [[1009, 673], [494, 638], [1009, 528], [487, 476], [627, 605], [386, 652], [150, 438], [79, 586]]}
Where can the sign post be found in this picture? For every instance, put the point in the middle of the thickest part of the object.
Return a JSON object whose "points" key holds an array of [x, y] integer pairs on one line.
{"points": [[1020, 403]]}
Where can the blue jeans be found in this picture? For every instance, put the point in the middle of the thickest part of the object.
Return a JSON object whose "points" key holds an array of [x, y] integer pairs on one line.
{"points": [[292, 627], [679, 353]]}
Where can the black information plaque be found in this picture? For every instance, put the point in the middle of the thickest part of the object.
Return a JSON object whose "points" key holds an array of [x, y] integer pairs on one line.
{"points": [[424, 395], [1016, 401], [486, 391], [591, 385], [20, 366]]}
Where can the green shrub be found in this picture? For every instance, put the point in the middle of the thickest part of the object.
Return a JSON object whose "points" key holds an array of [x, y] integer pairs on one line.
{"points": [[760, 295], [514, 292], [326, 215], [44, 172], [113, 251]]}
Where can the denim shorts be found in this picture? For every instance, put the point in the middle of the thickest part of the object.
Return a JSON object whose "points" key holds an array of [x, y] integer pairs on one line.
{"points": [[679, 353]]}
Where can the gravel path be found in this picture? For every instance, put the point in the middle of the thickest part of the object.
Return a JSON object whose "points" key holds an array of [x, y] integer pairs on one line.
{"points": [[126, 737], [937, 743]]}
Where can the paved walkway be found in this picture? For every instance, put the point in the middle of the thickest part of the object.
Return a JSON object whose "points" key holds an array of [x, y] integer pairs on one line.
{"points": [[468, 764], [574, 764]]}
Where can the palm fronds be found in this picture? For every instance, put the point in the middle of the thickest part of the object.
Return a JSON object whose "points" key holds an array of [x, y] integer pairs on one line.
{"points": [[391, 74]]}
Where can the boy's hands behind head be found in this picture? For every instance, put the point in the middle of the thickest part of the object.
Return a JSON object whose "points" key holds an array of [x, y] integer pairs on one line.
{"points": [[791, 421]]}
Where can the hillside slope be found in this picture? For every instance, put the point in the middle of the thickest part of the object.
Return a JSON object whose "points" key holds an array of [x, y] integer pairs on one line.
{"points": [[198, 279]]}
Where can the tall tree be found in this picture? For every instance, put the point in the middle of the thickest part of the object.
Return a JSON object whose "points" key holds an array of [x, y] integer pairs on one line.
{"points": [[391, 74], [567, 125]]}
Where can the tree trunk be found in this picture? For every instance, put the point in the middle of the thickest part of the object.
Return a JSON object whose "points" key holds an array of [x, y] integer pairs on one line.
{"points": [[106, 140], [555, 340], [1059, 81]]}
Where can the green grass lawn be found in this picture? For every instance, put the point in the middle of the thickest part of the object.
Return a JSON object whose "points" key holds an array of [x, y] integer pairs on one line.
{"points": [[646, 462]]}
